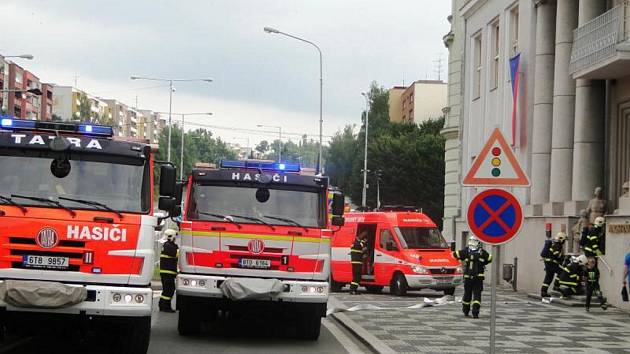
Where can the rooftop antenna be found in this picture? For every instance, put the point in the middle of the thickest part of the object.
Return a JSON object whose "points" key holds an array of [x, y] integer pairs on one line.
{"points": [[438, 63], [76, 80]]}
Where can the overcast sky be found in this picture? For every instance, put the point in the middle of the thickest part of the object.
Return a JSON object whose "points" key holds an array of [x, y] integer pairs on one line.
{"points": [[259, 78]]}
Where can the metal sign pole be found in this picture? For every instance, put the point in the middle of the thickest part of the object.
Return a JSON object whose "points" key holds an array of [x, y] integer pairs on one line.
{"points": [[493, 296]]}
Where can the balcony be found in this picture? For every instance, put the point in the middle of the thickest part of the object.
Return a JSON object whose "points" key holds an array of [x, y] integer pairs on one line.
{"points": [[601, 47]]}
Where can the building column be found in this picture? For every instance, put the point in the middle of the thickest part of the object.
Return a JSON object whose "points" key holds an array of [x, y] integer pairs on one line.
{"points": [[563, 104], [543, 100], [588, 137]]}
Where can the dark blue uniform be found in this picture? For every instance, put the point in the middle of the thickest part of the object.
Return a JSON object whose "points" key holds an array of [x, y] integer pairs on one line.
{"points": [[357, 253], [475, 262]]}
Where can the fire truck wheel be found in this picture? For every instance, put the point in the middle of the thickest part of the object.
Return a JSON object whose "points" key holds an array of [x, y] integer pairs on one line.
{"points": [[374, 289], [335, 286], [189, 321], [399, 285], [135, 337], [449, 291], [309, 325]]}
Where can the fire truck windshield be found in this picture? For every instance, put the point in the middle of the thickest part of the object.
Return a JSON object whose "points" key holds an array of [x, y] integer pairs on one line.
{"points": [[121, 187], [291, 206], [420, 237]]}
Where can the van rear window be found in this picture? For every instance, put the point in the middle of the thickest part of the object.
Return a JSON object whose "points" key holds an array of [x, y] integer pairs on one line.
{"points": [[421, 237]]}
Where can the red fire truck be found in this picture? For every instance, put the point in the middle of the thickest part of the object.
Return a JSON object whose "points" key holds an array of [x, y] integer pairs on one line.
{"points": [[256, 234], [405, 251], [77, 229]]}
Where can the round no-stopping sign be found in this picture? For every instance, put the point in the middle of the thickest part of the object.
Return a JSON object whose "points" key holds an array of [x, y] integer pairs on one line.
{"points": [[495, 216]]}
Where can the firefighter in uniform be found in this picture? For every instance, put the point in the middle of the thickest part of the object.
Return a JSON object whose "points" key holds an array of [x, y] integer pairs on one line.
{"points": [[569, 278], [594, 238], [552, 256], [168, 270], [475, 260], [592, 284], [357, 253]]}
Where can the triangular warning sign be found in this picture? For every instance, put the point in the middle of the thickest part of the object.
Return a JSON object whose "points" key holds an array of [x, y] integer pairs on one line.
{"points": [[496, 165]]}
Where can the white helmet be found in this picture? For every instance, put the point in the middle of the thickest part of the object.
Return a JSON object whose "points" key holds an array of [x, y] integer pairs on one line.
{"points": [[170, 234], [561, 236], [473, 242], [599, 221], [581, 259]]}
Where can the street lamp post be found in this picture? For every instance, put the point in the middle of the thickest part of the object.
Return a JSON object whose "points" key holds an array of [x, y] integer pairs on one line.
{"points": [[321, 85], [378, 188], [365, 170], [181, 156], [170, 101], [248, 147], [279, 138]]}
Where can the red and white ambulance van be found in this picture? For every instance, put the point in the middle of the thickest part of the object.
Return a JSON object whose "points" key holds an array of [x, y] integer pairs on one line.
{"points": [[405, 251]]}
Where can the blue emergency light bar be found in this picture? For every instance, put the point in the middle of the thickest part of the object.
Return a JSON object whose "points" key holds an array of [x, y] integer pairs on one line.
{"points": [[85, 129], [263, 165]]}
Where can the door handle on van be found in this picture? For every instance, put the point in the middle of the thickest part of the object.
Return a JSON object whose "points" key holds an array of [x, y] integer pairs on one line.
{"points": [[217, 228], [378, 255]]}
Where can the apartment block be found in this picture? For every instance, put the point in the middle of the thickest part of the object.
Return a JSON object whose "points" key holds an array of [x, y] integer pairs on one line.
{"points": [[420, 101]]}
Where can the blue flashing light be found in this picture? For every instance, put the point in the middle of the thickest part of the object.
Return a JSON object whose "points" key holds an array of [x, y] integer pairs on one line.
{"points": [[263, 165], [90, 129], [7, 122]]}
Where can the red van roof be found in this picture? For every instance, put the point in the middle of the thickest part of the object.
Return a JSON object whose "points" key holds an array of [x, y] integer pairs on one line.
{"points": [[401, 218]]}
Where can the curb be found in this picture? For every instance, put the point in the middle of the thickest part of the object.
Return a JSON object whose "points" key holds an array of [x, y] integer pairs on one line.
{"points": [[369, 340]]}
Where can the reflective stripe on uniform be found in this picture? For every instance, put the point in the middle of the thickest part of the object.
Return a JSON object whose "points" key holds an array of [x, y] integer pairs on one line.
{"points": [[166, 256], [476, 302], [165, 297], [356, 262], [567, 283], [164, 271], [357, 251], [466, 302], [354, 283], [545, 285]]}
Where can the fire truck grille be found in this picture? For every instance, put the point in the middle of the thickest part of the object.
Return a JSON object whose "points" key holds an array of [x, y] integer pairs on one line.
{"points": [[442, 271], [21, 242]]}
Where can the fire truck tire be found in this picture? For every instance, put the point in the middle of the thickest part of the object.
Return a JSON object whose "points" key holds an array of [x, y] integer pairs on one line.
{"points": [[136, 336], [309, 325], [399, 285], [335, 286], [449, 291], [374, 289], [189, 321]]}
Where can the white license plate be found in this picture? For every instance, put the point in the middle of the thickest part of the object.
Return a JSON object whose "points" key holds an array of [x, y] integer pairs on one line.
{"points": [[255, 263], [444, 280], [48, 262]]}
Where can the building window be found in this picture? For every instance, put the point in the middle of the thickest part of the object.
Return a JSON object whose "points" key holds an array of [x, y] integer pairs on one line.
{"points": [[496, 41], [514, 31], [18, 77], [477, 66]]}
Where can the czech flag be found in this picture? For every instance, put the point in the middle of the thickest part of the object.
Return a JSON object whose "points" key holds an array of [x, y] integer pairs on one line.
{"points": [[515, 67]]}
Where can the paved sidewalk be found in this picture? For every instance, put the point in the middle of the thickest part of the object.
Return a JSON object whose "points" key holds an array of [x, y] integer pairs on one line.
{"points": [[523, 326]]}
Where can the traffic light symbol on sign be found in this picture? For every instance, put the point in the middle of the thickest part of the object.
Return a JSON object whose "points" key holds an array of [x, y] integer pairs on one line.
{"points": [[496, 165]]}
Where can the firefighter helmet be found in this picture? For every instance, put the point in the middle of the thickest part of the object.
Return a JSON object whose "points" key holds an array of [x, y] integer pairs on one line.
{"points": [[561, 236], [581, 259], [473, 242], [599, 221], [170, 234]]}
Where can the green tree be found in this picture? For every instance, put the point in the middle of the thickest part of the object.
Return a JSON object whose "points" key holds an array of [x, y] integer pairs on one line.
{"points": [[409, 158], [85, 109], [262, 147]]}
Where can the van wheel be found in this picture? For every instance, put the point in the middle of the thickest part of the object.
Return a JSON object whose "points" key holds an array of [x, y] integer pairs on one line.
{"points": [[449, 291], [335, 286], [399, 285], [374, 289]]}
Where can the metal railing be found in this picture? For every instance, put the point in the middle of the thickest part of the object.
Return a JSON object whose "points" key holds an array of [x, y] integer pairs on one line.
{"points": [[597, 39]]}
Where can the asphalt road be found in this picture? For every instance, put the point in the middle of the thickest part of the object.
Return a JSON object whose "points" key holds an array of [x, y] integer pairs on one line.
{"points": [[232, 335]]}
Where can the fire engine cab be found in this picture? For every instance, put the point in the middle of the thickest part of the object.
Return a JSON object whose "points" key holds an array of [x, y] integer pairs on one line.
{"points": [[77, 229], [256, 234], [405, 250]]}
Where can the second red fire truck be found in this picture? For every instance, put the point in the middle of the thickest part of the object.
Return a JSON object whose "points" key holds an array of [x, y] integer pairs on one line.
{"points": [[256, 233]]}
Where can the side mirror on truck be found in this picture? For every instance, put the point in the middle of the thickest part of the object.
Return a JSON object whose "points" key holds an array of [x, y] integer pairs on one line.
{"points": [[338, 203], [167, 204], [179, 191], [168, 176], [338, 220]]}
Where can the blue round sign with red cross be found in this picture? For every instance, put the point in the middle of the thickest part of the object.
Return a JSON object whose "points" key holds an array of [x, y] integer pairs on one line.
{"points": [[495, 216]]}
